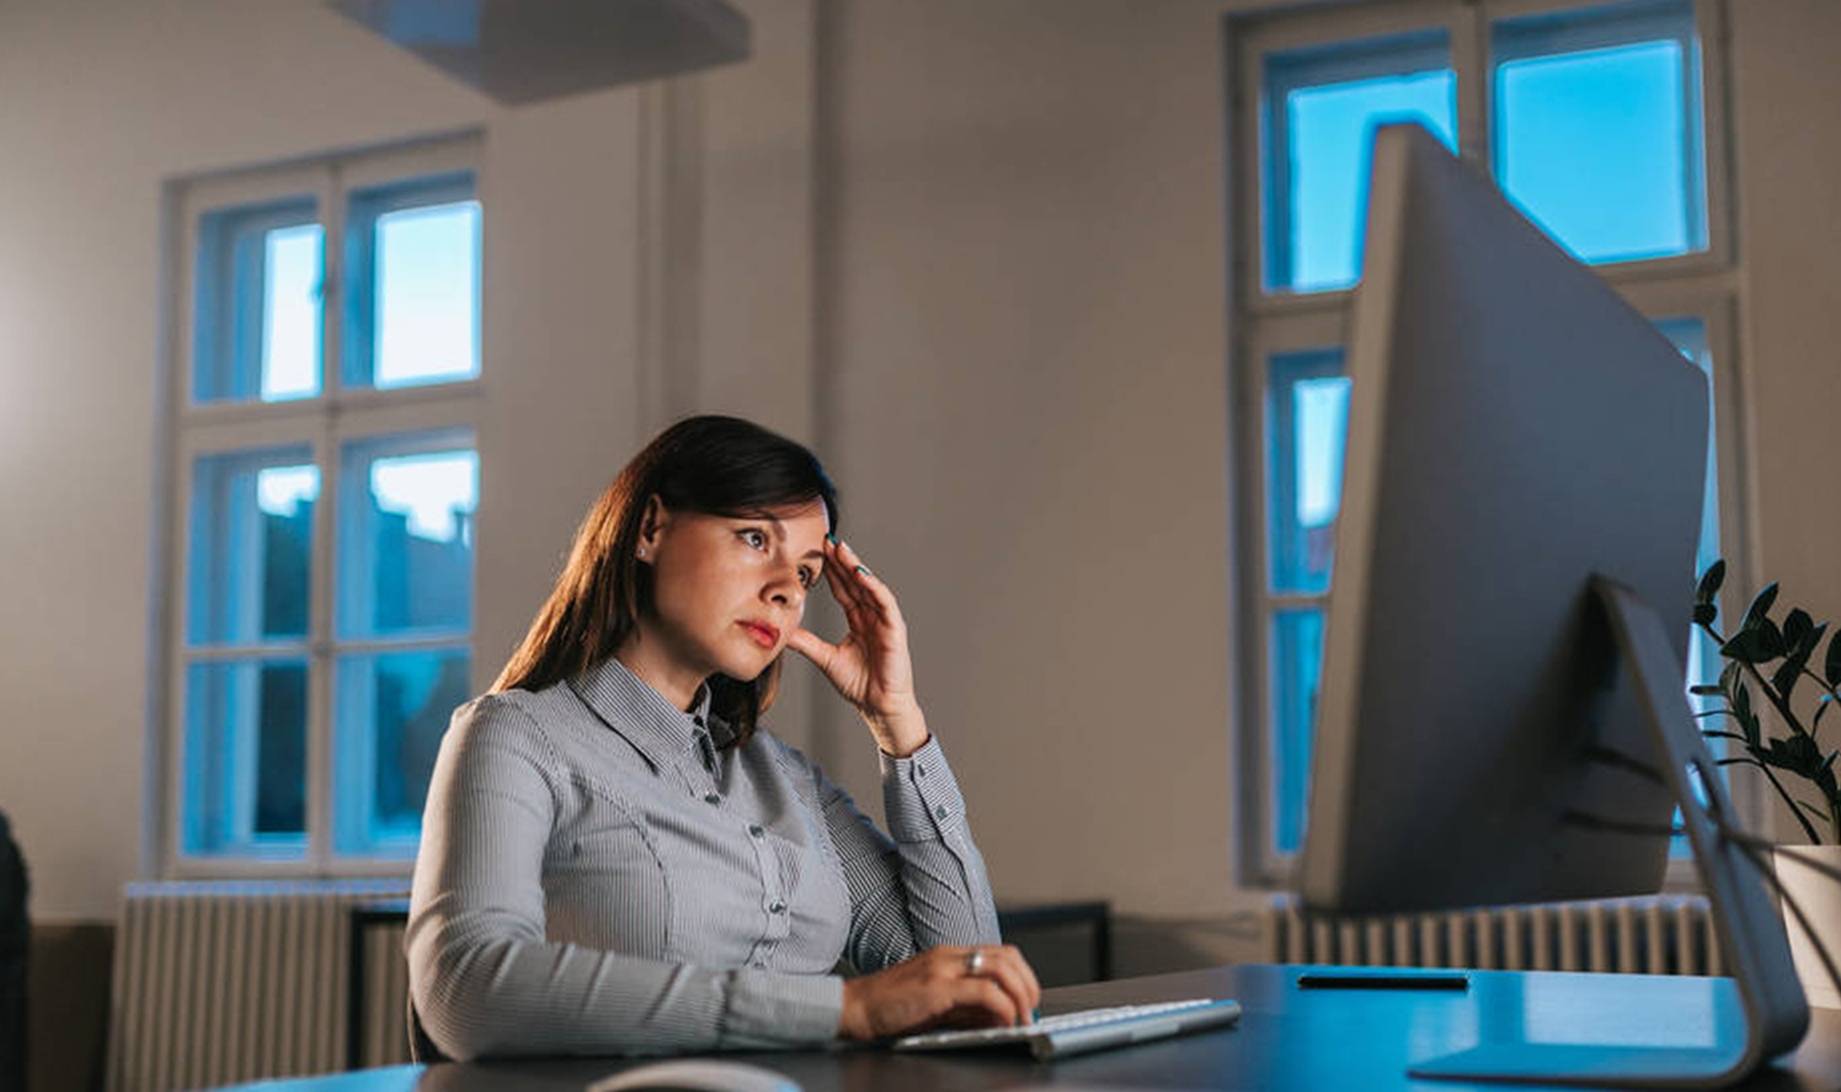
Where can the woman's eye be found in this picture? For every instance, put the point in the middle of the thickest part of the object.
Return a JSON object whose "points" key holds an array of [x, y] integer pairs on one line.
{"points": [[756, 539], [806, 579]]}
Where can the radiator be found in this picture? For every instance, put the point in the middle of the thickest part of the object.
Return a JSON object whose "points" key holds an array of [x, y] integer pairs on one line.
{"points": [[222, 982], [1654, 934]]}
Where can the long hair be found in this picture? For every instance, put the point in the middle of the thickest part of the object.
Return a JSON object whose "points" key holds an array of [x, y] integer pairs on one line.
{"points": [[721, 466]]}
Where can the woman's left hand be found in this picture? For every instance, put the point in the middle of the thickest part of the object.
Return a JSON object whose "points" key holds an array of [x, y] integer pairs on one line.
{"points": [[870, 667]]}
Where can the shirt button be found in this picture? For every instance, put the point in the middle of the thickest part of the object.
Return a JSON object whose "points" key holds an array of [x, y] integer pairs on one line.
{"points": [[940, 812], [760, 964], [713, 798], [920, 771], [755, 830], [778, 907]]}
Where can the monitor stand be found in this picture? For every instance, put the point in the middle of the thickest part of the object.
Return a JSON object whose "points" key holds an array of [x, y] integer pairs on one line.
{"points": [[1745, 914]]}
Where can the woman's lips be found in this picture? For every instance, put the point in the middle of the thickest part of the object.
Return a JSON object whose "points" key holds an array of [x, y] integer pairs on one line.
{"points": [[765, 636]]}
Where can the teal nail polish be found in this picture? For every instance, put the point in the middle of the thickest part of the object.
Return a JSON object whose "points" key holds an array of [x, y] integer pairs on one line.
{"points": [[831, 538], [864, 569]]}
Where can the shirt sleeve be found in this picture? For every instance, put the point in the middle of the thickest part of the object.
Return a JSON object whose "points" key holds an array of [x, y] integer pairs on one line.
{"points": [[924, 886], [484, 980]]}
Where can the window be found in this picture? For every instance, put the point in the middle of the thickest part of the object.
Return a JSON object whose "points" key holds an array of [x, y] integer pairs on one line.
{"points": [[325, 482], [1593, 118], [1597, 128], [1320, 105]]}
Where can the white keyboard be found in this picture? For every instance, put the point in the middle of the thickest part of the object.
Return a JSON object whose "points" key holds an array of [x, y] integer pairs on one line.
{"points": [[1090, 1029]]}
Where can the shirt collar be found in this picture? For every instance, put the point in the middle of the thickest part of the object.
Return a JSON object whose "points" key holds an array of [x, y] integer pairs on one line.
{"points": [[629, 705]]}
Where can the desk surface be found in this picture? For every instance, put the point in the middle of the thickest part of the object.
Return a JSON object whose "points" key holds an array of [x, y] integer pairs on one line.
{"points": [[1287, 1039]]}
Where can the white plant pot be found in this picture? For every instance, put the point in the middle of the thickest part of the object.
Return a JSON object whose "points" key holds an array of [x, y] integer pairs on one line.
{"points": [[1820, 898]]}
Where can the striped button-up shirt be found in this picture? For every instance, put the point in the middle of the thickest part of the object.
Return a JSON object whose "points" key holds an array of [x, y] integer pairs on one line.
{"points": [[600, 873]]}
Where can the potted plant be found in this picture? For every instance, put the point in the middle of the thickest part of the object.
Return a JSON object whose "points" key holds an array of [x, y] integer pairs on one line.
{"points": [[1771, 667]]}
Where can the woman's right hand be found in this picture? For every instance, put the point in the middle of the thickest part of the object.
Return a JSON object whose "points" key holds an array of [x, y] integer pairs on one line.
{"points": [[937, 989]]}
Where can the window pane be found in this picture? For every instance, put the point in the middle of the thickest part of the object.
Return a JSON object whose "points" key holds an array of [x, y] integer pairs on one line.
{"points": [[291, 313], [245, 758], [393, 709], [1598, 128], [1306, 421], [406, 539], [251, 546], [413, 315], [257, 315], [1297, 661], [1321, 107]]}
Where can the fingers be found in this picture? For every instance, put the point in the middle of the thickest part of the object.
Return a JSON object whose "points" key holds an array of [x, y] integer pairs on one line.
{"points": [[812, 647], [986, 994], [1007, 967], [936, 989], [856, 611], [868, 585], [1029, 976]]}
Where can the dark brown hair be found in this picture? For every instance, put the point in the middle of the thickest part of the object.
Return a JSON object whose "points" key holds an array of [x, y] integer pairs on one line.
{"points": [[721, 466]]}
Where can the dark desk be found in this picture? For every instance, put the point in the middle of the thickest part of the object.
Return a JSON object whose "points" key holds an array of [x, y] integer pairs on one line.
{"points": [[1287, 1039]]}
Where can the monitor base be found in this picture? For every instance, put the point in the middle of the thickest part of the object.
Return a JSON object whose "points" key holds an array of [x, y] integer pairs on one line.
{"points": [[1745, 916], [1586, 1064]]}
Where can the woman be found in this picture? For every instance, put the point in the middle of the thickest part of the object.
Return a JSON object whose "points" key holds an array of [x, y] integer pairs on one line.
{"points": [[615, 859]]}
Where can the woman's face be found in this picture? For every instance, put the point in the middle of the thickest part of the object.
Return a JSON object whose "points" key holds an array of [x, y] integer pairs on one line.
{"points": [[729, 591]]}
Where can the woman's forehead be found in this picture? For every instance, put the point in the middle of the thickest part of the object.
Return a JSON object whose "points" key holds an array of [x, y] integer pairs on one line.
{"points": [[808, 520]]}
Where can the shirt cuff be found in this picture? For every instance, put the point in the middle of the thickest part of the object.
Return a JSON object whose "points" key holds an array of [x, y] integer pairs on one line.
{"points": [[768, 1009], [920, 796]]}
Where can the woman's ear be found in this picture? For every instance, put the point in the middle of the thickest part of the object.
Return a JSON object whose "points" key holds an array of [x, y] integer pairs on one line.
{"points": [[652, 525]]}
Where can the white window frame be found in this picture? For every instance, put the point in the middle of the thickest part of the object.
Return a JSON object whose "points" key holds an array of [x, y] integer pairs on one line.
{"points": [[1706, 284], [323, 424]]}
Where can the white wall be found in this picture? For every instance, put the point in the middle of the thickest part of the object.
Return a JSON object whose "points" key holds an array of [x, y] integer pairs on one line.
{"points": [[1032, 416], [106, 102], [1787, 61], [973, 251]]}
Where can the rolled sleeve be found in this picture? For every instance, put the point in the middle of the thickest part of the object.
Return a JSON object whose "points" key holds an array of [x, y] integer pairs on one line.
{"points": [[924, 883], [921, 797], [765, 1009]]}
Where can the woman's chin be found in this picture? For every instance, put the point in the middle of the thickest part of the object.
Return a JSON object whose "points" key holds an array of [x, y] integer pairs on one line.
{"points": [[747, 666]]}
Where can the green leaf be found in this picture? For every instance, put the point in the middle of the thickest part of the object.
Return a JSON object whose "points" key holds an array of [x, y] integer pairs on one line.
{"points": [[1831, 666], [1796, 754], [1705, 613], [1787, 675], [1710, 582], [1748, 720], [1811, 641], [1760, 610], [1796, 627], [1772, 639], [1729, 676], [1745, 646]]}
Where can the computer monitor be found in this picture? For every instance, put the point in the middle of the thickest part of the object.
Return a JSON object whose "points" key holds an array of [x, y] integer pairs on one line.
{"points": [[1514, 575]]}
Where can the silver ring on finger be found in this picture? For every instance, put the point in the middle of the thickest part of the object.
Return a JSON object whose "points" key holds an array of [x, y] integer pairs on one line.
{"points": [[974, 962]]}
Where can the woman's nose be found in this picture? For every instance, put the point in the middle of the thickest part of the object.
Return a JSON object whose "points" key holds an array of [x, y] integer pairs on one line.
{"points": [[786, 590]]}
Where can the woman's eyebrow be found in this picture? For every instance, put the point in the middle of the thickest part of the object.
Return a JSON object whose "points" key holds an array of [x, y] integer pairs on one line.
{"points": [[779, 528]]}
